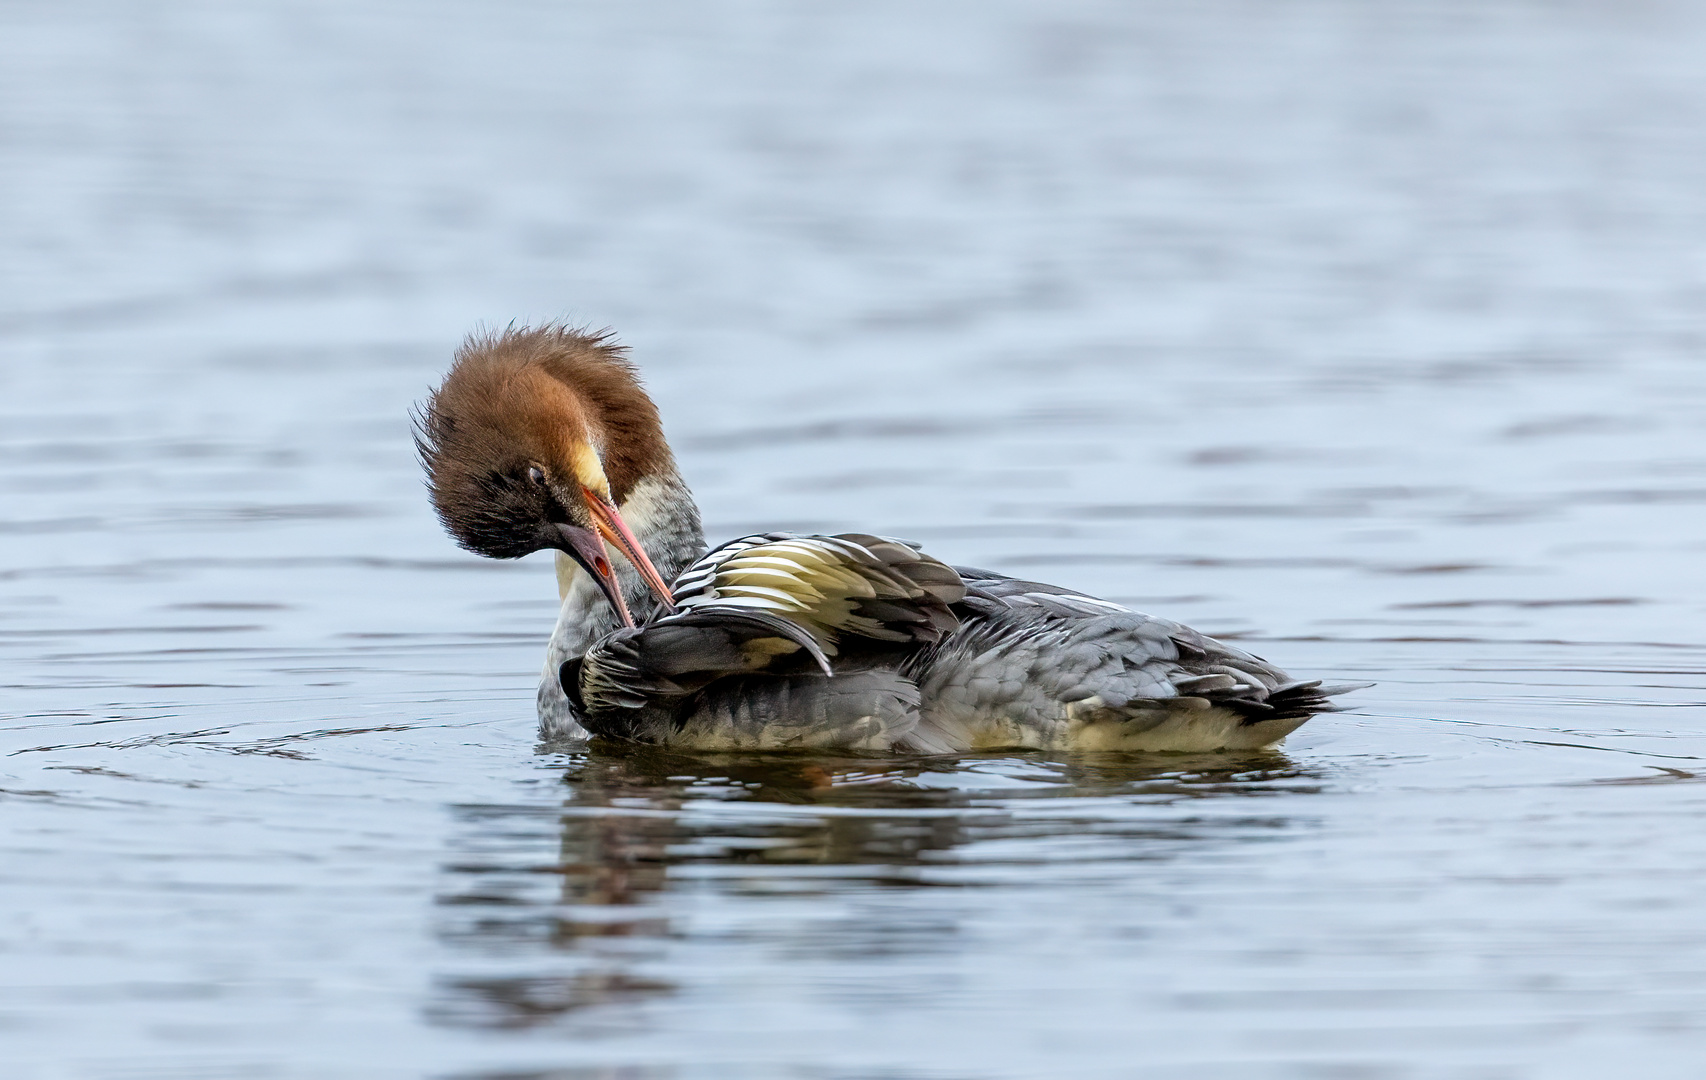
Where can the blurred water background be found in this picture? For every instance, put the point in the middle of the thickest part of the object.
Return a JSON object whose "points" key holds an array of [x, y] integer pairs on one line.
{"points": [[1367, 335]]}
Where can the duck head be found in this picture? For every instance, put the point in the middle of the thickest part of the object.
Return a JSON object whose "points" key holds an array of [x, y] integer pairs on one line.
{"points": [[533, 440]]}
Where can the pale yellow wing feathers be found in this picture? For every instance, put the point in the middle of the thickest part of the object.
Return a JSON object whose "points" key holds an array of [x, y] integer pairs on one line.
{"points": [[831, 586]]}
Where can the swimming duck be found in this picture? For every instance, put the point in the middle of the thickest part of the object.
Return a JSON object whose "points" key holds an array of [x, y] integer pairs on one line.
{"points": [[543, 438]]}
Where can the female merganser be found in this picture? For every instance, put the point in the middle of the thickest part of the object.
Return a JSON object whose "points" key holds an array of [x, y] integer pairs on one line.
{"points": [[544, 438]]}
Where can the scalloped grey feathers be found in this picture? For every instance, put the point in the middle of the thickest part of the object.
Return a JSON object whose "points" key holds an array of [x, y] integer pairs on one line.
{"points": [[861, 641]]}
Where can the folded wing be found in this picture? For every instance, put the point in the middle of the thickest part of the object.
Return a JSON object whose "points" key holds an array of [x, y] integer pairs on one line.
{"points": [[773, 604]]}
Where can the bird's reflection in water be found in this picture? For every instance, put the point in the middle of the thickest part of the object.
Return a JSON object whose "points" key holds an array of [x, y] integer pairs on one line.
{"points": [[580, 913]]}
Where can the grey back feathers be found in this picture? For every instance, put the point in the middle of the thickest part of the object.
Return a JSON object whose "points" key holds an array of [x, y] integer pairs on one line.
{"points": [[1103, 676], [864, 641]]}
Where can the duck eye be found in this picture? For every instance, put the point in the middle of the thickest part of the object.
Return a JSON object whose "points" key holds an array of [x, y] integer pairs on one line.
{"points": [[536, 474]]}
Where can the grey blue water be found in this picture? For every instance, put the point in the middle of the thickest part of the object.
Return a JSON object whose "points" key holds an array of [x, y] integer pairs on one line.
{"points": [[1367, 336]]}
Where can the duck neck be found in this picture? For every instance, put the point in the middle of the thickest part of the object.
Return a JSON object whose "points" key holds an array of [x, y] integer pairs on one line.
{"points": [[661, 512]]}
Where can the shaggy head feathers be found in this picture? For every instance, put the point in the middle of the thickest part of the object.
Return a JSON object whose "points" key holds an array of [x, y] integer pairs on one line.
{"points": [[524, 419]]}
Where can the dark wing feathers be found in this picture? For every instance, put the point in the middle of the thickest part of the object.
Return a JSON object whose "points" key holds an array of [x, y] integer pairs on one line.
{"points": [[680, 654], [758, 603]]}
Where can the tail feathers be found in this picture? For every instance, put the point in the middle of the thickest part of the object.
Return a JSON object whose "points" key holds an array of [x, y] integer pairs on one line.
{"points": [[1257, 700], [1292, 701], [1343, 688]]}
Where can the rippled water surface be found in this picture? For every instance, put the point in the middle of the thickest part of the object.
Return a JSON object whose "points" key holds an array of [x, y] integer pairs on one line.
{"points": [[1369, 336]]}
